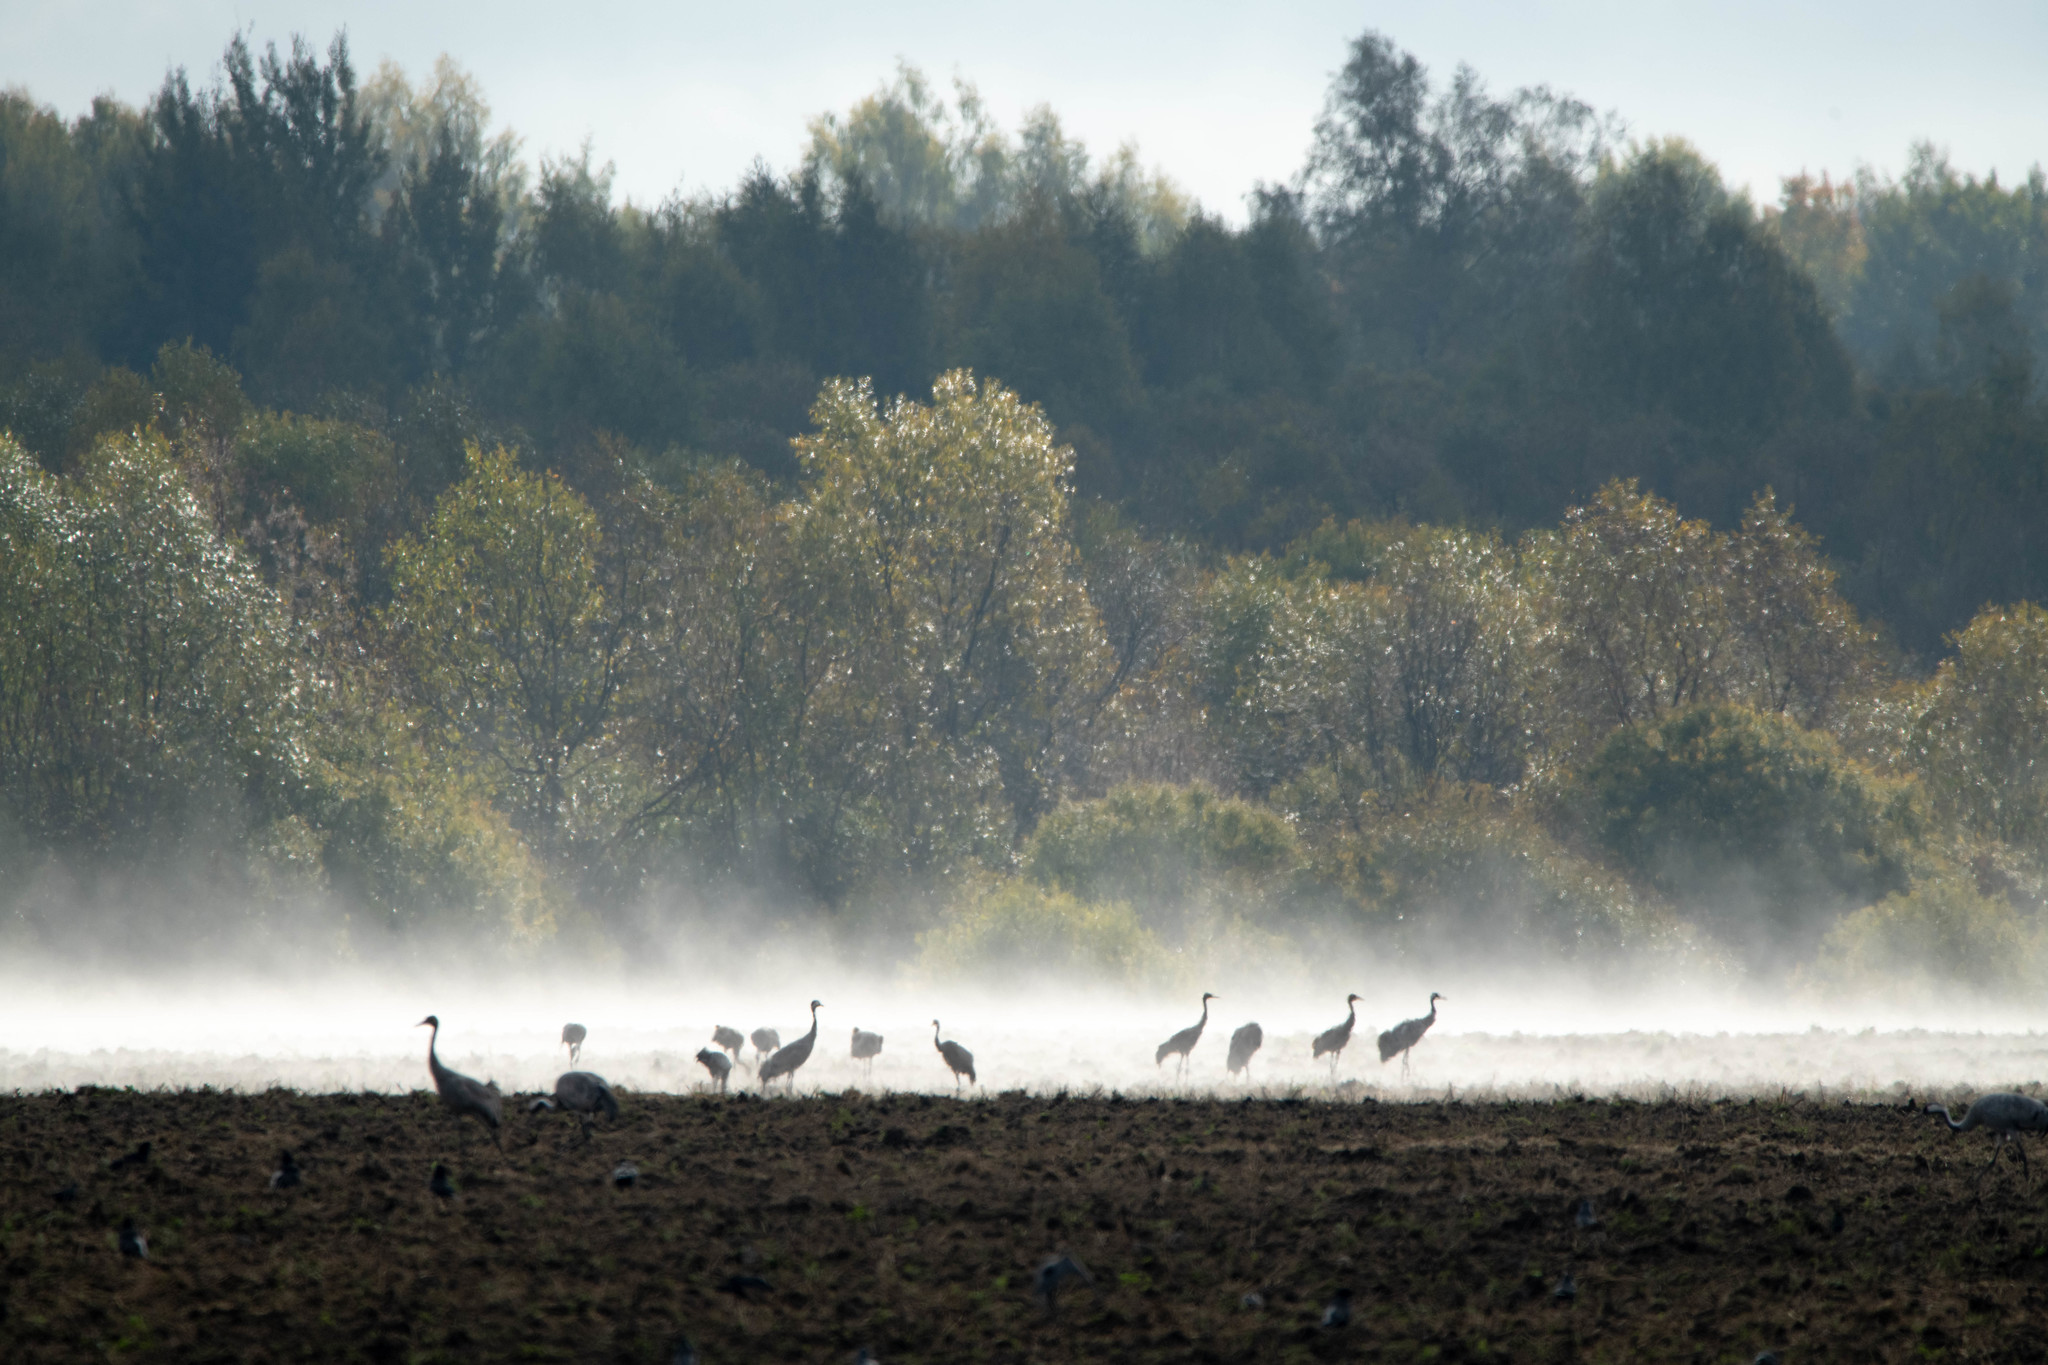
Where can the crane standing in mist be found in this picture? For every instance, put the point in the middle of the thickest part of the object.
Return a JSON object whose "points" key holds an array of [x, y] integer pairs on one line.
{"points": [[1398, 1040], [463, 1094], [765, 1041], [958, 1059], [1334, 1039], [787, 1060], [728, 1038], [1182, 1043], [1243, 1044], [572, 1038], [867, 1047], [582, 1093], [2006, 1115]]}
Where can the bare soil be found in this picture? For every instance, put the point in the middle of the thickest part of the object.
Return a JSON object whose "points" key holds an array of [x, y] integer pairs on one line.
{"points": [[913, 1226]]}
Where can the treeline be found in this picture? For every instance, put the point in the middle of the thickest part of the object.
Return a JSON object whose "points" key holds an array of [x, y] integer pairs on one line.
{"points": [[1464, 309]]}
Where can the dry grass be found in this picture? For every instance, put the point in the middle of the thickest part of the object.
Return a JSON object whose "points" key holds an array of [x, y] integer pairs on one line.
{"points": [[913, 1225]]}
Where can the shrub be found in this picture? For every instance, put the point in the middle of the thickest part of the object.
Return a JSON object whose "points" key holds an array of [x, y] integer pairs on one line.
{"points": [[1020, 926], [1942, 932], [1156, 845]]}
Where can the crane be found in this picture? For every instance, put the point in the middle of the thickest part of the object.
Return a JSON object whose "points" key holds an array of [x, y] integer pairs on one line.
{"points": [[1182, 1043], [2006, 1115], [582, 1093], [1243, 1044], [728, 1038], [717, 1063], [1333, 1040], [572, 1038], [958, 1059], [463, 1094], [867, 1047], [786, 1060], [1396, 1041], [765, 1041]]}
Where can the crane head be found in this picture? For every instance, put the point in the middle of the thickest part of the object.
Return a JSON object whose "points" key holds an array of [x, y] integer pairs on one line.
{"points": [[432, 1020], [1353, 999], [815, 1004], [1206, 997], [1434, 997]]}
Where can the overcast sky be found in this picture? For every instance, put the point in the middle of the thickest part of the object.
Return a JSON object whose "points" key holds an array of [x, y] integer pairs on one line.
{"points": [[1219, 96]]}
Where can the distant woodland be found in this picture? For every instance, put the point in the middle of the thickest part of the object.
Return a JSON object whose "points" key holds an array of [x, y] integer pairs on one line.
{"points": [[1509, 535]]}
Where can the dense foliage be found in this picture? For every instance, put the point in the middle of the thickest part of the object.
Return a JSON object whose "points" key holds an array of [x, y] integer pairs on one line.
{"points": [[967, 537]]}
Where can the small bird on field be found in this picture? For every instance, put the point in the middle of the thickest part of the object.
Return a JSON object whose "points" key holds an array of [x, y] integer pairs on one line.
{"points": [[728, 1038], [765, 1041], [1765, 1358], [67, 1195], [787, 1059], [1397, 1041], [439, 1183], [746, 1287], [1583, 1215], [685, 1352], [1332, 1041], [287, 1173], [625, 1175], [958, 1059], [582, 1093], [866, 1356], [1182, 1043], [463, 1094], [717, 1063], [1243, 1044], [2006, 1115], [1338, 1314], [1055, 1273], [1567, 1289], [1252, 1302], [867, 1047], [572, 1038], [133, 1243], [138, 1157]]}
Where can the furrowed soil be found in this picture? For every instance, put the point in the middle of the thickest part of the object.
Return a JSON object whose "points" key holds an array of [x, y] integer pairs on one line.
{"points": [[914, 1226]]}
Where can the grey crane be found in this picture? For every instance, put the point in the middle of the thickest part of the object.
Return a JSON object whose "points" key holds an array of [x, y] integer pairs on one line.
{"points": [[731, 1039], [1243, 1044], [1055, 1273], [1396, 1041], [572, 1038], [958, 1059], [1337, 1313], [2006, 1115], [1182, 1043], [867, 1047], [765, 1041], [787, 1059], [717, 1063], [438, 1181], [133, 1242], [1333, 1040], [582, 1093], [463, 1094], [287, 1173]]}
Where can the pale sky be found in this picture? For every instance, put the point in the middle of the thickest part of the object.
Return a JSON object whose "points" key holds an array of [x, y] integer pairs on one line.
{"points": [[1219, 96]]}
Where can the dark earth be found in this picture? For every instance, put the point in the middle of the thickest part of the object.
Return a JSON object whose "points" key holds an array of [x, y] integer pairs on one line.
{"points": [[914, 1226]]}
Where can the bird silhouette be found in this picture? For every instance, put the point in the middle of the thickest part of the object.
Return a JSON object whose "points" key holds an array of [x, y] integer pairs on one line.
{"points": [[1567, 1289], [1055, 1273], [1397, 1041], [717, 1063], [867, 1047], [1243, 1044], [728, 1038], [1182, 1043], [1332, 1041], [138, 1157], [1584, 1216], [439, 1183], [765, 1041], [685, 1352], [68, 1195], [958, 1059], [1338, 1313], [866, 1356], [786, 1060], [463, 1094], [582, 1093], [572, 1038], [133, 1243], [2006, 1115], [625, 1175], [287, 1173]]}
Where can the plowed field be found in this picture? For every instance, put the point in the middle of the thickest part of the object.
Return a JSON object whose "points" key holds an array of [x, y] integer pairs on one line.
{"points": [[913, 1226]]}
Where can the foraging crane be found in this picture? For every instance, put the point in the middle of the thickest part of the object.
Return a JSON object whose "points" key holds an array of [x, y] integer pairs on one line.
{"points": [[1243, 1044], [1182, 1043], [1396, 1041], [867, 1047], [287, 1173], [1333, 1040], [718, 1064], [958, 1059], [787, 1060], [463, 1094], [1053, 1274], [2007, 1116], [728, 1038], [765, 1041], [572, 1038], [582, 1093]]}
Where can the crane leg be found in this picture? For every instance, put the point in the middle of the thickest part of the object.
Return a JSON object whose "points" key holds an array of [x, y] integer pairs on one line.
{"points": [[1985, 1169]]}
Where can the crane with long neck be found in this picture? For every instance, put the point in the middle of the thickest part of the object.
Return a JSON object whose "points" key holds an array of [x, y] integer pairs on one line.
{"points": [[958, 1059], [1182, 1043], [1333, 1040], [786, 1060], [2006, 1115], [463, 1094]]}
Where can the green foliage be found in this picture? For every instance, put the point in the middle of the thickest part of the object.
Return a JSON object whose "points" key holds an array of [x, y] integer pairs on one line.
{"points": [[1943, 933], [335, 471], [1159, 846], [1020, 928], [1981, 740], [1749, 822]]}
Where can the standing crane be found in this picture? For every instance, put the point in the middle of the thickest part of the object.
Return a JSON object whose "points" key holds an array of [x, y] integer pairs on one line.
{"points": [[958, 1059], [463, 1094], [867, 1047], [786, 1060], [572, 1038], [765, 1041], [1396, 1041], [1243, 1044], [717, 1063], [728, 1038], [582, 1093], [1333, 1040], [2006, 1115], [1182, 1043]]}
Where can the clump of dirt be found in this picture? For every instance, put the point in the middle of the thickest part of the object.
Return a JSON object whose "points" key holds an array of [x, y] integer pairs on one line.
{"points": [[914, 1226]]}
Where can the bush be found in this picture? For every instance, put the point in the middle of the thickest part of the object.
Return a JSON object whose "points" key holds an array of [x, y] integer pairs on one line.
{"points": [[1942, 932], [1020, 927], [1159, 846]]}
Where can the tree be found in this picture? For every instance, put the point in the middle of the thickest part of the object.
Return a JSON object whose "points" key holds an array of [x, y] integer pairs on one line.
{"points": [[1982, 738]]}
